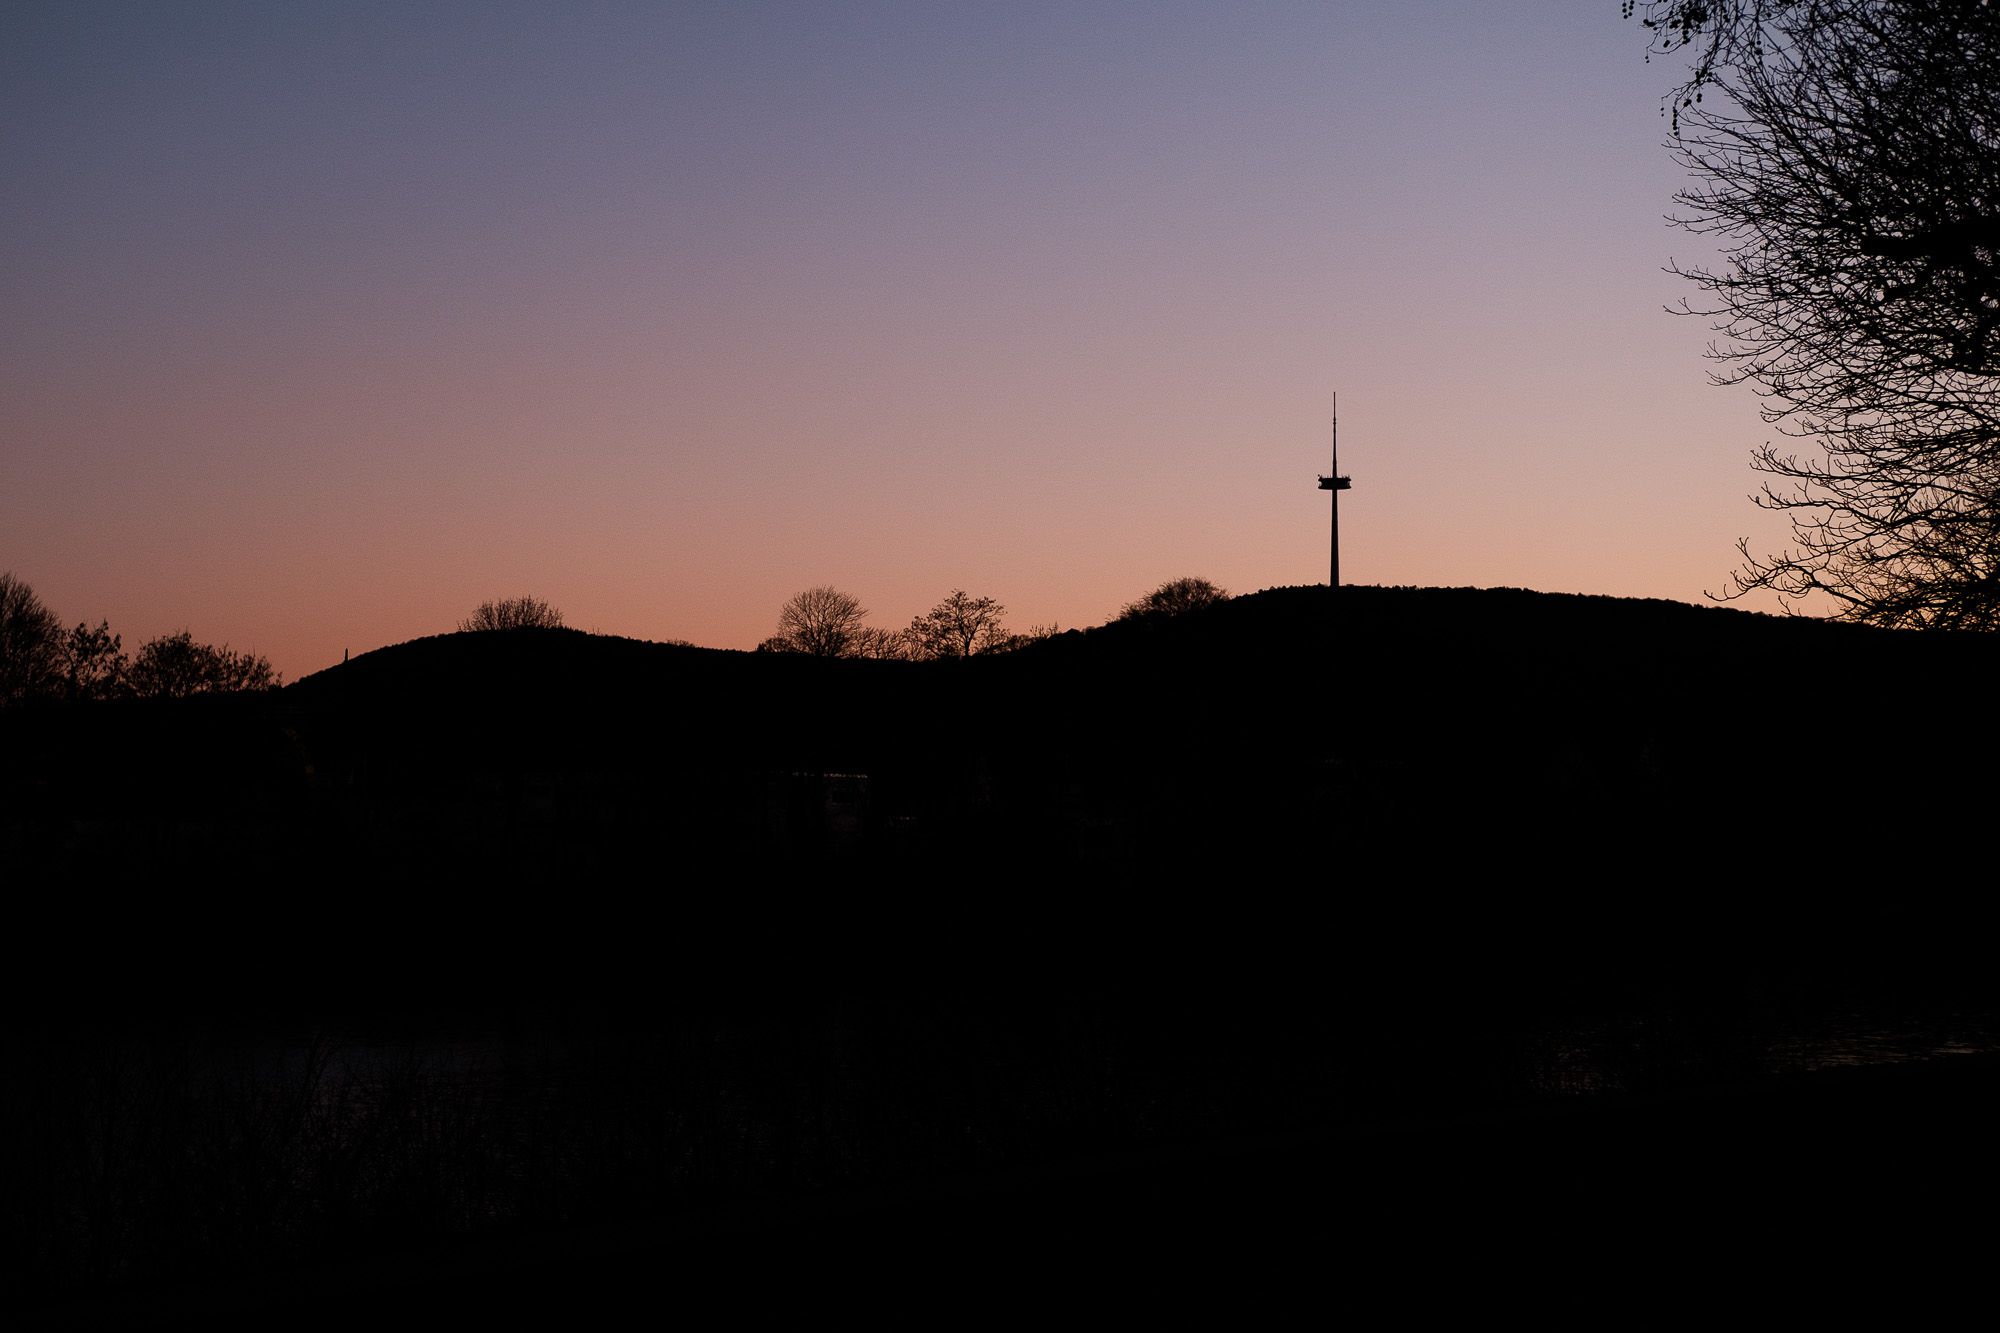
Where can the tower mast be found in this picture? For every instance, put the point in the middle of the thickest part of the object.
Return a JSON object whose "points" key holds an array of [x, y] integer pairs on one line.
{"points": [[1336, 484]]}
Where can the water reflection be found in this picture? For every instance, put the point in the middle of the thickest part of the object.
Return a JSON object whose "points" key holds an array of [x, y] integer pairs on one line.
{"points": [[1662, 1050], [357, 1134], [1635, 1053]]}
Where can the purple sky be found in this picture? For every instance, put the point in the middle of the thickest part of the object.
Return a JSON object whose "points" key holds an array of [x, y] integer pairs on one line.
{"points": [[321, 323]]}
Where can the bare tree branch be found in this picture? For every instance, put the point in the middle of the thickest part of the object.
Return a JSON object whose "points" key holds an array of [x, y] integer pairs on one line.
{"points": [[1851, 173]]}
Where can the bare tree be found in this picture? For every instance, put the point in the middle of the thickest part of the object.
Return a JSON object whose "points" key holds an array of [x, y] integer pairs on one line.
{"points": [[1175, 597], [820, 622], [1849, 159], [872, 641], [513, 613], [959, 626], [30, 643]]}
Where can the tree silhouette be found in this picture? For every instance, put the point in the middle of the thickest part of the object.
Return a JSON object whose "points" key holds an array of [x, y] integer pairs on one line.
{"points": [[30, 643], [820, 622], [958, 626], [873, 641], [94, 665], [512, 613], [1848, 152], [1175, 597], [174, 666]]}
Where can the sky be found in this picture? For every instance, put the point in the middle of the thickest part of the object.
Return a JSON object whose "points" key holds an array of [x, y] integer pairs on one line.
{"points": [[321, 323]]}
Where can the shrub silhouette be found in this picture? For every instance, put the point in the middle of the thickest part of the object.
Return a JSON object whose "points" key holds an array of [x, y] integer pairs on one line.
{"points": [[174, 666], [1175, 597], [93, 663], [513, 613]]}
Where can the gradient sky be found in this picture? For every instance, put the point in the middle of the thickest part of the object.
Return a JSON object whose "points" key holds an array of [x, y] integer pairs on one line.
{"points": [[320, 323]]}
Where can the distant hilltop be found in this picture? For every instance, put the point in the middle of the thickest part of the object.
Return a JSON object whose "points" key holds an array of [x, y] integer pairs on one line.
{"points": [[1465, 724], [1461, 777]]}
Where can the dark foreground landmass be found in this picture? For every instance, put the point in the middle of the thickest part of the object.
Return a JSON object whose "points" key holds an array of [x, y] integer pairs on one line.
{"points": [[1857, 1193], [1450, 943]]}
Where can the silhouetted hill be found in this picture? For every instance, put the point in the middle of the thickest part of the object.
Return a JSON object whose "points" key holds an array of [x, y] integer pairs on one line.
{"points": [[627, 940], [1417, 769], [1276, 729]]}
